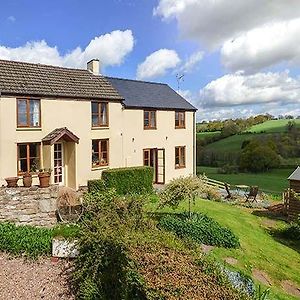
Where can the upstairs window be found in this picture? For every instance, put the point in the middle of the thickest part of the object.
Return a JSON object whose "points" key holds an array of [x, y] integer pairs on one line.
{"points": [[149, 119], [28, 113], [28, 158], [99, 114], [100, 153], [179, 119], [180, 157]]}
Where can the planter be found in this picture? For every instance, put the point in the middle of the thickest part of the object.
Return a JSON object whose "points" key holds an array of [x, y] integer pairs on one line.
{"points": [[27, 180], [63, 248], [44, 178], [12, 182]]}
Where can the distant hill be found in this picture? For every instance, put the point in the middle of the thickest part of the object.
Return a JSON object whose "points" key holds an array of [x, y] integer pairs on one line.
{"points": [[272, 126]]}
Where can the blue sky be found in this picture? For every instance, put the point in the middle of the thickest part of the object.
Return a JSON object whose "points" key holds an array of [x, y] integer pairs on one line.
{"points": [[237, 61]]}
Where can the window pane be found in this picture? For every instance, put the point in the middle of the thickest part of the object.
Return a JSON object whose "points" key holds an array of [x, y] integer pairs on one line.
{"points": [[153, 119], [33, 150], [103, 113], [23, 165], [103, 146], [34, 109], [95, 153], [95, 120], [22, 113], [34, 164], [95, 107], [22, 151], [146, 119]]}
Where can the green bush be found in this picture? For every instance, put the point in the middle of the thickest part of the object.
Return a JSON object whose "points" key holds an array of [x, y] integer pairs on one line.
{"points": [[133, 180], [96, 185], [291, 232], [200, 228], [25, 240], [104, 268]]}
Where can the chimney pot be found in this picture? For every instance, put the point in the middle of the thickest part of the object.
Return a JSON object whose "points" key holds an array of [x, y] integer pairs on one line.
{"points": [[94, 66]]}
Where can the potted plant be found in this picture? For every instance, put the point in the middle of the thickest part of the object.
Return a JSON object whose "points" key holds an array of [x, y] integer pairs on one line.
{"points": [[44, 177], [12, 182], [27, 179]]}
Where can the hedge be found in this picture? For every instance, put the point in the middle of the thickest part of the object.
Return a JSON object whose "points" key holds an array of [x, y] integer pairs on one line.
{"points": [[133, 180], [96, 185], [200, 228]]}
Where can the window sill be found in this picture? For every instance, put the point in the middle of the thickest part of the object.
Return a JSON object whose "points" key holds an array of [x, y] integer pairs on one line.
{"points": [[100, 168], [29, 129], [150, 128], [179, 167], [100, 128], [180, 127]]}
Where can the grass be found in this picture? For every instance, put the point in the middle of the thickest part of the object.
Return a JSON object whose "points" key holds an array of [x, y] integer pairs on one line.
{"points": [[274, 181], [272, 126], [202, 135], [231, 144], [259, 250]]}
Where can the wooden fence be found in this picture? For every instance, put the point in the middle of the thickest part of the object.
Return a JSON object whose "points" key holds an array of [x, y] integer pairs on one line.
{"points": [[291, 202], [215, 183]]}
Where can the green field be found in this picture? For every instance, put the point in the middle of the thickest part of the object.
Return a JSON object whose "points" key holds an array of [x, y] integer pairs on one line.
{"points": [[202, 135], [272, 126], [274, 181], [231, 144]]}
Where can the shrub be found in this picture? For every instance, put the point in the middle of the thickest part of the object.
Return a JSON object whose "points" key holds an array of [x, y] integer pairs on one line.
{"points": [[228, 169], [133, 180], [180, 189], [187, 188], [200, 228], [104, 268], [96, 185], [291, 232], [25, 240]]}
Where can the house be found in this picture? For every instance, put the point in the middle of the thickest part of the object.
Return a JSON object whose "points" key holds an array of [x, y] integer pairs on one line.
{"points": [[294, 180], [79, 123]]}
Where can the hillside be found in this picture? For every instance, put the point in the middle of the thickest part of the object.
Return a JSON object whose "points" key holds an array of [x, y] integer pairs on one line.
{"points": [[272, 126]]}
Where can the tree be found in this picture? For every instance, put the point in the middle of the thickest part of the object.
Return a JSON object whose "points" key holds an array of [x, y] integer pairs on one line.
{"points": [[259, 158]]}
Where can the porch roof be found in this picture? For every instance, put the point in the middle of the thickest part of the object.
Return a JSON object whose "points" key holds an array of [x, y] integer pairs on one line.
{"points": [[58, 134]]}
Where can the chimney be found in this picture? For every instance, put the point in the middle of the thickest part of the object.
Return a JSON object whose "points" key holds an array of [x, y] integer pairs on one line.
{"points": [[94, 66]]}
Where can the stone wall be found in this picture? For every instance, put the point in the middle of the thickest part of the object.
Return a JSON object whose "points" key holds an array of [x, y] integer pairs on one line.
{"points": [[29, 206]]}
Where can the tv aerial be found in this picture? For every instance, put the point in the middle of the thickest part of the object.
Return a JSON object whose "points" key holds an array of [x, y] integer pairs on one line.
{"points": [[179, 78]]}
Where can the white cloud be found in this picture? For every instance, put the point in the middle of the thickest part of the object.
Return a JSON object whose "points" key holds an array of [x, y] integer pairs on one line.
{"points": [[263, 46], [240, 89], [111, 49], [157, 64], [214, 21], [192, 62], [11, 19], [267, 31]]}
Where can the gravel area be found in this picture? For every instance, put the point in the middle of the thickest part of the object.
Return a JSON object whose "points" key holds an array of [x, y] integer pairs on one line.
{"points": [[28, 280]]}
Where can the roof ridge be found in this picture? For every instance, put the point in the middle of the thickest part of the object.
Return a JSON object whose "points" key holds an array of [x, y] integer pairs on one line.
{"points": [[43, 65], [135, 80]]}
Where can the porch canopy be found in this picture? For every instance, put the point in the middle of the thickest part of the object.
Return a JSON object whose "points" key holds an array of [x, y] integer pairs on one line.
{"points": [[60, 134]]}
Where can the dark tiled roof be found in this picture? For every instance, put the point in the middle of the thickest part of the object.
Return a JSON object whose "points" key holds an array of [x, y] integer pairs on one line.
{"points": [[58, 134], [18, 78], [139, 94]]}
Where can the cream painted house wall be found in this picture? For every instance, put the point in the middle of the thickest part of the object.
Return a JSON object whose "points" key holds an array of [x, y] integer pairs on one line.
{"points": [[126, 134]]}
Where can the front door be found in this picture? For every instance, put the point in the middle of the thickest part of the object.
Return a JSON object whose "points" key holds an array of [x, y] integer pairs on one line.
{"points": [[58, 164], [156, 158]]}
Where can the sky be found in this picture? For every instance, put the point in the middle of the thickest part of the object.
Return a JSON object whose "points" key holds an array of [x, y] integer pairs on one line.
{"points": [[236, 58]]}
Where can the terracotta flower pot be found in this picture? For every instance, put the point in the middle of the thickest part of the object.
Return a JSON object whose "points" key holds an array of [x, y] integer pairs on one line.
{"points": [[27, 180], [44, 178], [12, 182]]}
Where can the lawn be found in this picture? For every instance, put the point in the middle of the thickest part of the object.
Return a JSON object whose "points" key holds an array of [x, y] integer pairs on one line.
{"points": [[259, 250], [272, 126], [274, 181]]}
